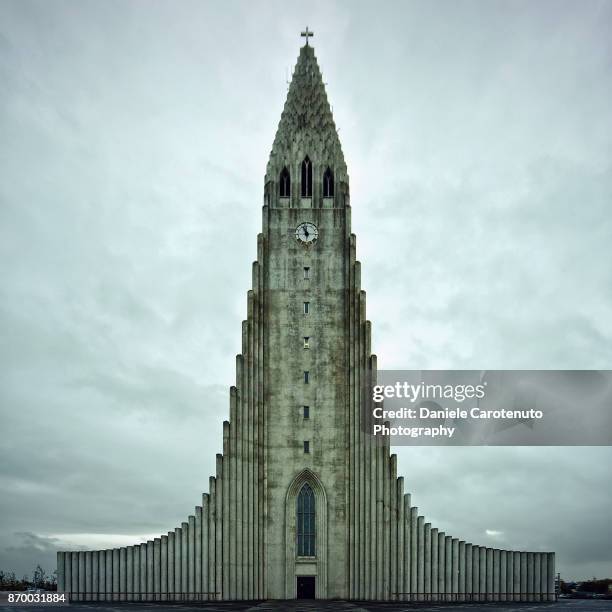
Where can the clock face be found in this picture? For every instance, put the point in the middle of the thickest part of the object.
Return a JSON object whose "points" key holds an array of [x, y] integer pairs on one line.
{"points": [[306, 233]]}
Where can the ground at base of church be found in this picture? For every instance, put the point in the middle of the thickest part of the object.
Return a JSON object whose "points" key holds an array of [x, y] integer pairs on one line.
{"points": [[342, 606]]}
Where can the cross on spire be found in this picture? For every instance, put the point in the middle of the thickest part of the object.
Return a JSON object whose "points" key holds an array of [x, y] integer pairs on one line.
{"points": [[307, 34]]}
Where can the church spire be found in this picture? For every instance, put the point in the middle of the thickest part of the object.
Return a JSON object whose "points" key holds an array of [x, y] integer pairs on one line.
{"points": [[306, 133]]}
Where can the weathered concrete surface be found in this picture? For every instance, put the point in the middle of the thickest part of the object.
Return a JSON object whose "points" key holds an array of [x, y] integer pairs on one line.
{"points": [[370, 543]]}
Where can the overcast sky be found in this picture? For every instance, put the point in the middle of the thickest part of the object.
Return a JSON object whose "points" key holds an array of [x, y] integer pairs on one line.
{"points": [[134, 137]]}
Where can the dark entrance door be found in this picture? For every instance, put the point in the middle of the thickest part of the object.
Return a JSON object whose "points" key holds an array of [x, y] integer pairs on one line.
{"points": [[305, 587]]}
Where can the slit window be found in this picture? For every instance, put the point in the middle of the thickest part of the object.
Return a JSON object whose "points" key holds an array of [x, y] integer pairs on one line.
{"points": [[306, 412], [328, 184], [284, 183], [307, 178], [306, 377], [306, 447], [306, 342], [306, 272], [306, 307], [306, 520]]}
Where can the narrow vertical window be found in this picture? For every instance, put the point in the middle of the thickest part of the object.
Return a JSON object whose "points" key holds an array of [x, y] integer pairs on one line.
{"points": [[306, 342], [328, 184], [306, 272], [306, 178], [306, 521], [306, 377], [306, 307], [284, 183], [306, 412], [306, 447]]}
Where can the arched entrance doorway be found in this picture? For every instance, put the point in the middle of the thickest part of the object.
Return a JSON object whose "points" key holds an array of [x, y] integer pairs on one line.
{"points": [[306, 538]]}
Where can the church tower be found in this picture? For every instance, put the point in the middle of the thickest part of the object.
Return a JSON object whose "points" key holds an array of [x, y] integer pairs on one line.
{"points": [[304, 502]]}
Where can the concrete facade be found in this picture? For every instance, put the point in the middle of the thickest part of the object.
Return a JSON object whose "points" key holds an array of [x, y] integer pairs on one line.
{"points": [[305, 343]]}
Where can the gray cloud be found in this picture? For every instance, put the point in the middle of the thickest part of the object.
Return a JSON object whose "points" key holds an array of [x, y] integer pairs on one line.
{"points": [[133, 142]]}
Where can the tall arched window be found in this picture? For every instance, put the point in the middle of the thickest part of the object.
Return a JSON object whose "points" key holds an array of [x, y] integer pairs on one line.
{"points": [[306, 178], [284, 183], [328, 184], [306, 522]]}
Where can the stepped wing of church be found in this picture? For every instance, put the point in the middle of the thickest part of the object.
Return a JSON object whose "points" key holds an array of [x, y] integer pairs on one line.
{"points": [[304, 502]]}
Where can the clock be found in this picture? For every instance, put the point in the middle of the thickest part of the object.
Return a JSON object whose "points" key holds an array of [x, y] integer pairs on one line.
{"points": [[306, 233]]}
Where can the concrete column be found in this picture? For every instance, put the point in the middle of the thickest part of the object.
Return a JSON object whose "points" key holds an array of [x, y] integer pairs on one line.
{"points": [[260, 473], [352, 450], [81, 575], [129, 573], [400, 541], [361, 503], [88, 575], [116, 574], [255, 389], [544, 576], [136, 572], [530, 577], [387, 526], [68, 573], [163, 578], [205, 521], [489, 555], [476, 572], [170, 555], [178, 564], [191, 557], [242, 484], [74, 557], [537, 580], [550, 575], [407, 546], [370, 512], [469, 588], [414, 514], [483, 573], [420, 557], [61, 572], [524, 576], [219, 528], [144, 550], [496, 572], [109, 574], [95, 575], [233, 508], [393, 535], [102, 575], [380, 524], [198, 549], [250, 387], [427, 561], [68, 565], [448, 567], [503, 564], [441, 566], [185, 559], [509, 575], [434, 565], [517, 575], [122, 573], [461, 574], [455, 569], [150, 570], [212, 538], [226, 515], [157, 569]]}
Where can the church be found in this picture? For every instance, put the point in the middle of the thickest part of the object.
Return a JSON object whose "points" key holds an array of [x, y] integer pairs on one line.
{"points": [[305, 503]]}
